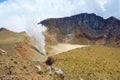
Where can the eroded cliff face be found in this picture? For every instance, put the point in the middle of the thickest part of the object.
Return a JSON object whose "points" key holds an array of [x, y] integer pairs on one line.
{"points": [[85, 29]]}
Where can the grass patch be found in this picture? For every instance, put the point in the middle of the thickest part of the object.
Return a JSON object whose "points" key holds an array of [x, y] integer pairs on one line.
{"points": [[95, 62]]}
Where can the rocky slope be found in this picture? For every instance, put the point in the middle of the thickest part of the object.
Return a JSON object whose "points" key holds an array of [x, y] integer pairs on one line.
{"points": [[19, 60], [85, 29]]}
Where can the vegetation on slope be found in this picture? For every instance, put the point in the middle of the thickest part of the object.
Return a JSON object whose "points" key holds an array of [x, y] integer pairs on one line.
{"points": [[91, 63]]}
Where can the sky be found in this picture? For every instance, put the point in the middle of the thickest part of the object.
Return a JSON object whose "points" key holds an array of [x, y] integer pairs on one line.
{"points": [[17, 15], [2, 1]]}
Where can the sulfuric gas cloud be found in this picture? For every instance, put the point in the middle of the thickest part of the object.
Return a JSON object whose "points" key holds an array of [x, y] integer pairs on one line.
{"points": [[35, 32]]}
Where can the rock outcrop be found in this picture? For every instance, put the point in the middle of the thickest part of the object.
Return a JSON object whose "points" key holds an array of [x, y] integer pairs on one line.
{"points": [[85, 29]]}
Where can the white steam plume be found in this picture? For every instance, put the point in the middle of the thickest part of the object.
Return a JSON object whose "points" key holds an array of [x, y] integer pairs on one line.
{"points": [[36, 33]]}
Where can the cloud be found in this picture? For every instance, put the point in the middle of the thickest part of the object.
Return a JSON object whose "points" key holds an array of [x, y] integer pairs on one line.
{"points": [[17, 15]]}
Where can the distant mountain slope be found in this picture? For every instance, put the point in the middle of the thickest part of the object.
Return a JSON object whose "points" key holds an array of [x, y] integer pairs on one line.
{"points": [[18, 43], [7, 36], [85, 29]]}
